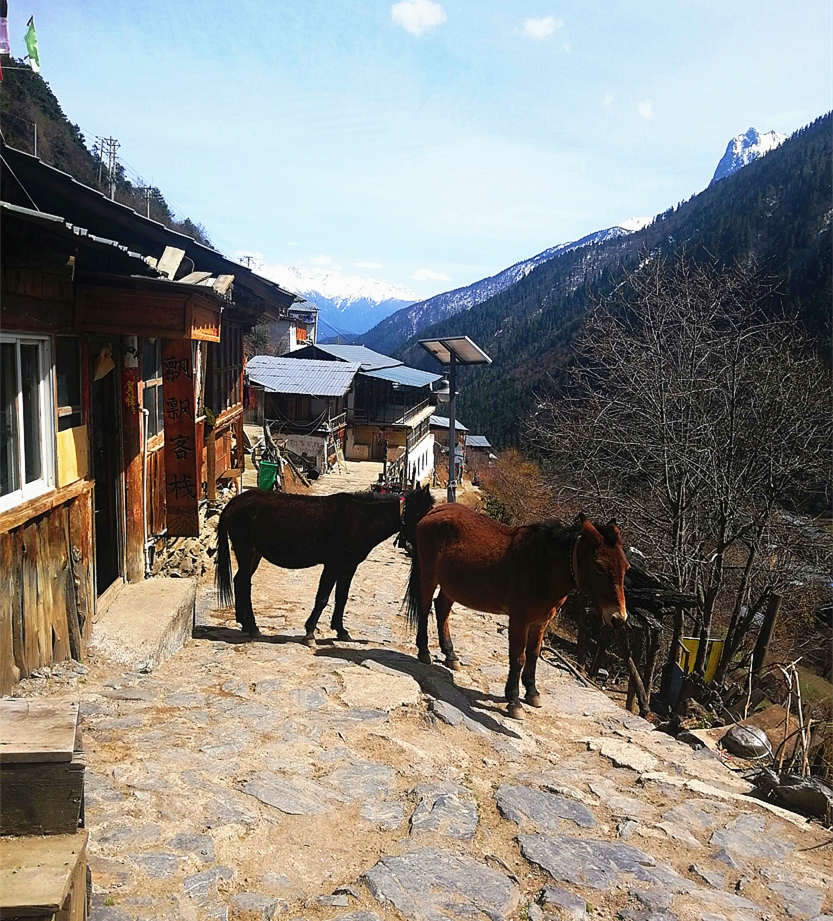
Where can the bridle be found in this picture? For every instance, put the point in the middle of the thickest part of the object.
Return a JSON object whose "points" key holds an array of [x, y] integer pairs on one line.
{"points": [[574, 561]]}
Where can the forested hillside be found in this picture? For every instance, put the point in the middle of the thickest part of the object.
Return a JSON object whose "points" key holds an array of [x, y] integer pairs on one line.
{"points": [[26, 100], [776, 212]]}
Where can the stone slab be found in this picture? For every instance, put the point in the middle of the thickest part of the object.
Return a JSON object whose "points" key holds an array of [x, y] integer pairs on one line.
{"points": [[147, 623]]}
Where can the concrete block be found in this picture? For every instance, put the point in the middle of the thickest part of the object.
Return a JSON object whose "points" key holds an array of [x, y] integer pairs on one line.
{"points": [[147, 623]]}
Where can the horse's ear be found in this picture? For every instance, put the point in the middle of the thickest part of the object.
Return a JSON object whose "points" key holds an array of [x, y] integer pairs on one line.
{"points": [[588, 527], [581, 518], [613, 524]]}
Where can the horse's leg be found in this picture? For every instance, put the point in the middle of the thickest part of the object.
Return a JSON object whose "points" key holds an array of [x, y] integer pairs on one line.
{"points": [[322, 596], [342, 590], [243, 612], [518, 630], [442, 607], [533, 650], [427, 587]]}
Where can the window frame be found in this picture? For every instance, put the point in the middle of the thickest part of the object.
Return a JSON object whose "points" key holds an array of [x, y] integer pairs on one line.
{"points": [[155, 439], [69, 410], [47, 398]]}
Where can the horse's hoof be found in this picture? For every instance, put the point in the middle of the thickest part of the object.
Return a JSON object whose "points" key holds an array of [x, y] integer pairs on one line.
{"points": [[516, 711], [252, 630], [309, 640], [534, 700], [425, 656], [344, 635], [453, 664]]}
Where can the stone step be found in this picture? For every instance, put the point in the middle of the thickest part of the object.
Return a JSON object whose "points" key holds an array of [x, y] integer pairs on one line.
{"points": [[147, 623]]}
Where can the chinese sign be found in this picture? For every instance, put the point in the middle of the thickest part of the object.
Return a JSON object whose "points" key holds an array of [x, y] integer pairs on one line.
{"points": [[182, 461]]}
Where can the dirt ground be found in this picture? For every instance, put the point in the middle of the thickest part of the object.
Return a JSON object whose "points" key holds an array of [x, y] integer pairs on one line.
{"points": [[264, 779]]}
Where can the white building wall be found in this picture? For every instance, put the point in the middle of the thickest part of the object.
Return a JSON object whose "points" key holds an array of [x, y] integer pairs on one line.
{"points": [[421, 459]]}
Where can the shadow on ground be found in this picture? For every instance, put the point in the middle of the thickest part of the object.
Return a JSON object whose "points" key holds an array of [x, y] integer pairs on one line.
{"points": [[435, 680]]}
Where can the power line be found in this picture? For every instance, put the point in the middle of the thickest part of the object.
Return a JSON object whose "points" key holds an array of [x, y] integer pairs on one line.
{"points": [[108, 146]]}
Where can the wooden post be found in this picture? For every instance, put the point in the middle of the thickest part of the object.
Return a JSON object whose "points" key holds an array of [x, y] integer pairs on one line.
{"points": [[211, 467], [134, 534], [764, 634]]}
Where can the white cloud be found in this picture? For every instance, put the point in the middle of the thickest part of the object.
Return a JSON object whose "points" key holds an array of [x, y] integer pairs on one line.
{"points": [[372, 266], [645, 108], [542, 27], [417, 16], [607, 100], [567, 47], [430, 275], [321, 260]]}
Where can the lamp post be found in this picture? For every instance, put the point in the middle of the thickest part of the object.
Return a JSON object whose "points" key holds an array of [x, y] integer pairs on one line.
{"points": [[452, 351]]}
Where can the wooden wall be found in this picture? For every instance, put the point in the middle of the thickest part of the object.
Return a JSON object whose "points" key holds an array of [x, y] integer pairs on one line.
{"points": [[46, 602], [156, 510]]}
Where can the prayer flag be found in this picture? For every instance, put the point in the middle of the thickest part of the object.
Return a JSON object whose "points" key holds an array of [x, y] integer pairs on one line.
{"points": [[5, 47], [32, 45]]}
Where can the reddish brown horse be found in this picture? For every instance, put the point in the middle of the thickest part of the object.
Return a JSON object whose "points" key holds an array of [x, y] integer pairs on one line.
{"points": [[524, 572]]}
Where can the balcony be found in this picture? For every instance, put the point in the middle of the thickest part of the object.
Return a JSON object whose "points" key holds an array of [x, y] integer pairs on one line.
{"points": [[390, 414]]}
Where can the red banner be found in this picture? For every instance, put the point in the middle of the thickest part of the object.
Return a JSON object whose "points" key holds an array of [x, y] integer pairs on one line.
{"points": [[182, 486]]}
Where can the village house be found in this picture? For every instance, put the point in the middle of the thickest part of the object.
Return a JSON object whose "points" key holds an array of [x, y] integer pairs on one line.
{"points": [[388, 408], [304, 402], [478, 454], [298, 328], [122, 400]]}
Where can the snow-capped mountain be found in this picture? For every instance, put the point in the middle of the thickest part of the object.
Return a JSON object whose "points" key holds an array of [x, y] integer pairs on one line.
{"points": [[346, 303], [391, 332], [745, 148]]}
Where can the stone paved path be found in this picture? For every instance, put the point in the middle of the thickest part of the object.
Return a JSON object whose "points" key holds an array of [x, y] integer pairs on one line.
{"points": [[259, 780]]}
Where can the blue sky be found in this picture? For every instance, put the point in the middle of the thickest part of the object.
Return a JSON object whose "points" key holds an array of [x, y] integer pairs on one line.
{"points": [[426, 143]]}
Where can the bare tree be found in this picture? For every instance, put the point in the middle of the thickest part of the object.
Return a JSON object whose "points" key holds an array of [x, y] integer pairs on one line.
{"points": [[698, 419]]}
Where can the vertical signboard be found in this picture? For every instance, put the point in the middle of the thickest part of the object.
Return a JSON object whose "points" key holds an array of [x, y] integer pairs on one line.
{"points": [[182, 483]]}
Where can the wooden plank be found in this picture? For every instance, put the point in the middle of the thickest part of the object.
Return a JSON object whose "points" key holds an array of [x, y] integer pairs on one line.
{"points": [[57, 563], [223, 283], [43, 798], [81, 544], [37, 874], [9, 599], [36, 730], [211, 467], [16, 538], [73, 459], [134, 536], [31, 597], [194, 278], [20, 514]]}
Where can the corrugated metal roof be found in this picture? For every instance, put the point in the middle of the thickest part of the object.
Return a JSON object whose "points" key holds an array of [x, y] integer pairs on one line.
{"points": [[307, 376], [367, 358], [402, 374], [477, 441], [442, 423]]}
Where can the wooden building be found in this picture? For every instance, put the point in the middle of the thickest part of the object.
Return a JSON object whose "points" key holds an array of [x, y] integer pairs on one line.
{"points": [[122, 400], [388, 408]]}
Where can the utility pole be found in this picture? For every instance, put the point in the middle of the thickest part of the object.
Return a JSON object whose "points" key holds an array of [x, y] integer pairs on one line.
{"points": [[111, 145], [248, 261], [147, 190], [36, 138]]}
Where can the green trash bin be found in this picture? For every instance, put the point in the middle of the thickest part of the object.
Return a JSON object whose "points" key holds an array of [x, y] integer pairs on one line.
{"points": [[266, 476]]}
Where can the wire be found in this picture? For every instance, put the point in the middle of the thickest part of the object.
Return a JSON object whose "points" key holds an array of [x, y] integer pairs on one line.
{"points": [[26, 191]]}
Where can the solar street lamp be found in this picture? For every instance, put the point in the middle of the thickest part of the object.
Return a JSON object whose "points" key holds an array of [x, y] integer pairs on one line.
{"points": [[452, 351]]}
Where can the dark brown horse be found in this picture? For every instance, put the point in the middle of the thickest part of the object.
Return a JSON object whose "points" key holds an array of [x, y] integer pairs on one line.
{"points": [[524, 572], [296, 531]]}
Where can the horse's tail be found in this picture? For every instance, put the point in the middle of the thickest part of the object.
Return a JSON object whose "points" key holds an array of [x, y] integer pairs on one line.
{"points": [[413, 594], [222, 564]]}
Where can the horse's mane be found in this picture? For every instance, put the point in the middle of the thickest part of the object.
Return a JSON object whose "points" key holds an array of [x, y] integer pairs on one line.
{"points": [[368, 496], [555, 531]]}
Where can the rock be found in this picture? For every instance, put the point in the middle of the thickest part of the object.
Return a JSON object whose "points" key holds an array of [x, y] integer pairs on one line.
{"points": [[654, 898], [200, 846], [449, 714], [570, 905], [308, 698], [799, 899], [372, 689], [701, 814], [157, 865], [128, 693], [624, 754], [429, 885], [339, 900], [104, 912], [626, 829], [268, 685], [746, 742], [618, 803], [445, 809], [359, 916], [631, 914], [387, 814], [128, 835], [256, 906], [544, 810], [748, 836], [362, 780], [294, 797], [723, 856], [185, 699], [201, 886], [713, 877], [583, 862]]}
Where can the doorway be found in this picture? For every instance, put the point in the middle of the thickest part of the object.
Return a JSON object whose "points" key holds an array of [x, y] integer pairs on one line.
{"points": [[106, 454]]}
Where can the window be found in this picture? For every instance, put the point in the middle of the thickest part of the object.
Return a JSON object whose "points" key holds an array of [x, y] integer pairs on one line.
{"points": [[225, 367], [27, 425], [152, 386], [68, 380]]}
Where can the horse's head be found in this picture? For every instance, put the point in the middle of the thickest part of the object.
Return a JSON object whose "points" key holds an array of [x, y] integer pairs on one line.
{"points": [[599, 565], [416, 504]]}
